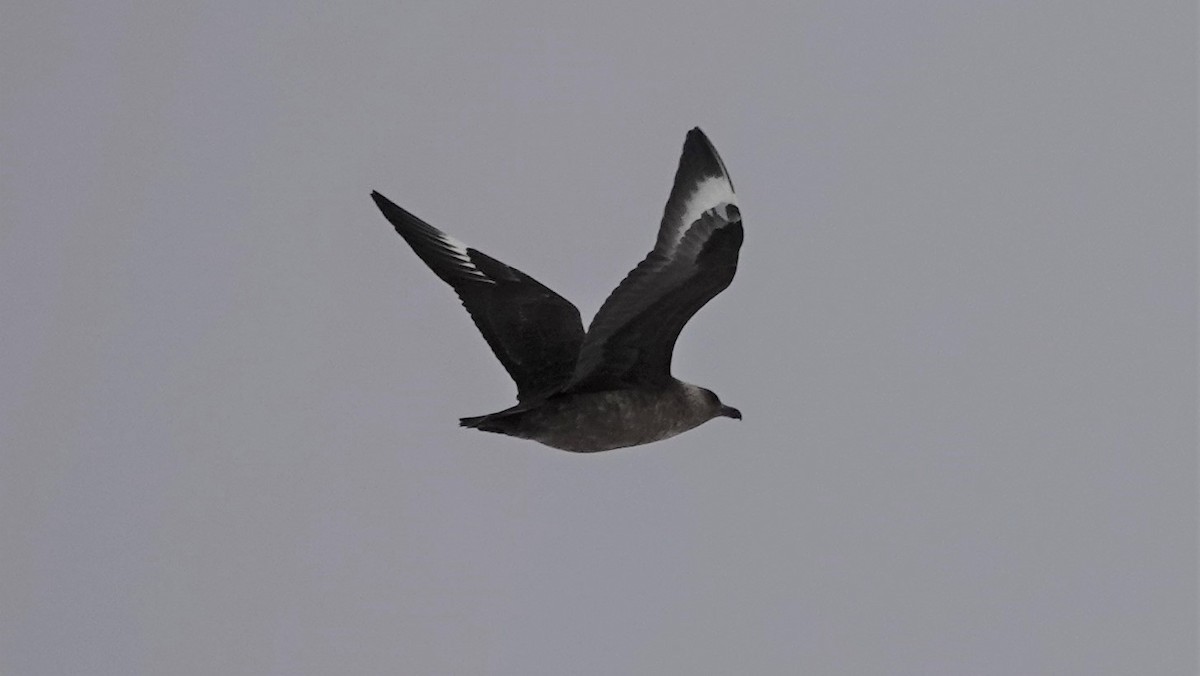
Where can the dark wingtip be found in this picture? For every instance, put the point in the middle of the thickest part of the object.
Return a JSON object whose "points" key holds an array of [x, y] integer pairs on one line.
{"points": [[698, 149], [404, 222], [380, 200]]}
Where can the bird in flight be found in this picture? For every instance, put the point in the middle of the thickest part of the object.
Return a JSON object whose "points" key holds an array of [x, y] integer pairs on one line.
{"points": [[610, 386]]}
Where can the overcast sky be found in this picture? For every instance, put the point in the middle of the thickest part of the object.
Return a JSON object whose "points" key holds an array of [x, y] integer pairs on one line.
{"points": [[963, 337]]}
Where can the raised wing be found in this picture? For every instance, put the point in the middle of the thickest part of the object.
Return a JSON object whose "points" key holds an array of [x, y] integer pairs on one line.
{"points": [[534, 332], [631, 340]]}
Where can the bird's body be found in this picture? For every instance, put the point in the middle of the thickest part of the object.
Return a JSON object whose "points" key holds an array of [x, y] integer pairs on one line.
{"points": [[611, 386], [600, 421]]}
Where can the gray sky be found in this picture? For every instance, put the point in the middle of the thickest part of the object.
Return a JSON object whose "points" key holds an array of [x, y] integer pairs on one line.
{"points": [[962, 336]]}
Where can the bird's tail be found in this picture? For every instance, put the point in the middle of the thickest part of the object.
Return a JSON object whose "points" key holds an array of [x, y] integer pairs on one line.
{"points": [[501, 422], [473, 422]]}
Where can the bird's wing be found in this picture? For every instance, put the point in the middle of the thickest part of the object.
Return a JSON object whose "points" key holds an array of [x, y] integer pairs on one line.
{"points": [[534, 332], [630, 341]]}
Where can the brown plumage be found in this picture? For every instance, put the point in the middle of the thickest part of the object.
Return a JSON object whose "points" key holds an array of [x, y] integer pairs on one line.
{"points": [[611, 386]]}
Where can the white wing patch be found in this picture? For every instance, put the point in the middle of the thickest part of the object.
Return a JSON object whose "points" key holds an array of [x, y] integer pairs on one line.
{"points": [[722, 211], [458, 250], [713, 191]]}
